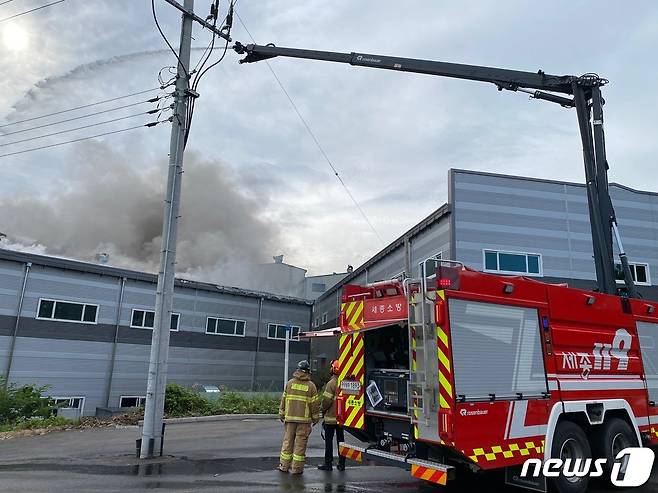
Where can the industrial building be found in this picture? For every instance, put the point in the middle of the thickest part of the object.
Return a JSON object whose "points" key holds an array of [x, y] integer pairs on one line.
{"points": [[288, 280], [85, 330], [510, 225]]}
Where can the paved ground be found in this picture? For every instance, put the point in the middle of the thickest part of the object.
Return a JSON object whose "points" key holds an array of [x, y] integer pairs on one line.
{"points": [[232, 456]]}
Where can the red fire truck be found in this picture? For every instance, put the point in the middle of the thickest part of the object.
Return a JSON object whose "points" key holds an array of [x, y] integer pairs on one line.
{"points": [[464, 369], [473, 370]]}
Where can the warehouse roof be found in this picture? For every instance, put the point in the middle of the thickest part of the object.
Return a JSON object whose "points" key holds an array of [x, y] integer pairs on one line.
{"points": [[106, 270], [442, 211]]}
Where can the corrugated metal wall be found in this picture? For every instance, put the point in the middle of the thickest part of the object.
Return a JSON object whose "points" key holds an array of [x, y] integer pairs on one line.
{"points": [[550, 218], [75, 359]]}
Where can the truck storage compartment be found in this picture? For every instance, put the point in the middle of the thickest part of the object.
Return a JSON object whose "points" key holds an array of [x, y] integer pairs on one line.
{"points": [[387, 369]]}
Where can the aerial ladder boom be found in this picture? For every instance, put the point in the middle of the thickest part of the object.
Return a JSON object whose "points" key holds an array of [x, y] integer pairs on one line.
{"points": [[581, 92]]}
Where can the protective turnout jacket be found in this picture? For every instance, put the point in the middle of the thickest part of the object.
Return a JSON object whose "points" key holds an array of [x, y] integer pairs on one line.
{"points": [[300, 401], [328, 402]]}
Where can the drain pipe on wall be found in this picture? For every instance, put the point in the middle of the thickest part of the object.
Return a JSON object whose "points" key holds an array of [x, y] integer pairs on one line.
{"points": [[10, 356], [254, 371], [108, 388]]}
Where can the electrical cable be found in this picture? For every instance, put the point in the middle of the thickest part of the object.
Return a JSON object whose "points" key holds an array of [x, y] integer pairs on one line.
{"points": [[148, 125], [157, 24], [80, 107], [315, 139], [153, 100], [228, 25], [6, 1], [31, 10], [78, 128]]}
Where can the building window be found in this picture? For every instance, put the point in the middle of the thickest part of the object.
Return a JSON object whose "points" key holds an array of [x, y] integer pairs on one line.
{"points": [[225, 327], [318, 287], [317, 322], [145, 319], [639, 273], [278, 331], [67, 311], [431, 264], [132, 401], [512, 262], [69, 403], [324, 317]]}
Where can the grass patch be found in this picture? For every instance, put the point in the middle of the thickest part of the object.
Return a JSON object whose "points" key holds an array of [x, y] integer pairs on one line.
{"points": [[34, 423], [236, 403], [181, 401]]}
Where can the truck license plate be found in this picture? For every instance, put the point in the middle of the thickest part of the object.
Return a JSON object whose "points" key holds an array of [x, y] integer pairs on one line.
{"points": [[352, 387]]}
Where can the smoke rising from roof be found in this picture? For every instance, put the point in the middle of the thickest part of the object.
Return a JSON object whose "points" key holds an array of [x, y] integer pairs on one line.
{"points": [[108, 204]]}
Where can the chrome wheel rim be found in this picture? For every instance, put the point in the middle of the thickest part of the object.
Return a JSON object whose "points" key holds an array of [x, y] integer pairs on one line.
{"points": [[572, 450]]}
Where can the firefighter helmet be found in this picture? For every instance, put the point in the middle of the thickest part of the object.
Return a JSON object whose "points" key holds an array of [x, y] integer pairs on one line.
{"points": [[304, 366], [335, 367]]}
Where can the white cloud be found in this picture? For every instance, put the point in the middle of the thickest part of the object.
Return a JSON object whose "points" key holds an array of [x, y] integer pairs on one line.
{"points": [[392, 136]]}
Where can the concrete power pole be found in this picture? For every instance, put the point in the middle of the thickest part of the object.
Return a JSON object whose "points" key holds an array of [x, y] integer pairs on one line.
{"points": [[157, 373]]}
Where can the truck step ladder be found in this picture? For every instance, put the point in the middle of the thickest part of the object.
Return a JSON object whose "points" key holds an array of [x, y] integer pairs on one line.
{"points": [[427, 470]]}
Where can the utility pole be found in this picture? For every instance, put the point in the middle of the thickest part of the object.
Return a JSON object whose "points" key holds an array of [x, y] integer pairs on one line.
{"points": [[152, 431], [157, 373]]}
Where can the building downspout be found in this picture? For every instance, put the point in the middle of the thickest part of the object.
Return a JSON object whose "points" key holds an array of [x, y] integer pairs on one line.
{"points": [[254, 372], [14, 335], [407, 257], [108, 388]]}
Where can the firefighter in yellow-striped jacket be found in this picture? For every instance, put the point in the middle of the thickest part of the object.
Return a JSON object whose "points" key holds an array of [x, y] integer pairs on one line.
{"points": [[299, 410], [330, 425]]}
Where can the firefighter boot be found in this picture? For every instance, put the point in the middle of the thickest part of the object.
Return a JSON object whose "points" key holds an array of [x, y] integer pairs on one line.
{"points": [[341, 463]]}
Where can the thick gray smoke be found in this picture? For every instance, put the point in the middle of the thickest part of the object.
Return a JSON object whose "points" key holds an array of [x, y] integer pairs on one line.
{"points": [[109, 205]]}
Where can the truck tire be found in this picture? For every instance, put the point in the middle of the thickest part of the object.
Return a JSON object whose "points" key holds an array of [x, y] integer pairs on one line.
{"points": [[569, 442], [613, 436]]}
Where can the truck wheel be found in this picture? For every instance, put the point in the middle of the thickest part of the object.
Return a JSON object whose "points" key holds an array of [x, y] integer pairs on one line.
{"points": [[569, 442], [614, 436]]}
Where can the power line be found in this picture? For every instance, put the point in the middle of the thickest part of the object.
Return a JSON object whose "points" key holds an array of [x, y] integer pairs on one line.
{"points": [[315, 139], [6, 1], [153, 100], [80, 107], [157, 24], [78, 128], [31, 10], [152, 124]]}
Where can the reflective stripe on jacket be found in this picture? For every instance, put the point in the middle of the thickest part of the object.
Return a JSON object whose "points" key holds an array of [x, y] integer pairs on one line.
{"points": [[329, 400], [300, 401]]}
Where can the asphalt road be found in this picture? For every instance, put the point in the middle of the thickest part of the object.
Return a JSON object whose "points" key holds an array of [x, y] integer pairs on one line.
{"points": [[231, 456]]}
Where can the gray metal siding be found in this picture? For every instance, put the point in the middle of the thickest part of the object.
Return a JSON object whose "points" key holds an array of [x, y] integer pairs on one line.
{"points": [[69, 368], [428, 242], [550, 218], [74, 358]]}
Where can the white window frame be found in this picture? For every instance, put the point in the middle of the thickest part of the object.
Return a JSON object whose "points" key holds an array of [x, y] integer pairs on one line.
{"points": [[55, 301], [437, 256], [316, 323], [325, 317], [82, 402], [132, 314], [235, 326], [632, 266], [299, 329], [140, 398], [512, 272]]}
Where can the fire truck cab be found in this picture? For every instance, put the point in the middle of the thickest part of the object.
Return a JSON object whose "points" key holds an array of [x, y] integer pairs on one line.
{"points": [[466, 370]]}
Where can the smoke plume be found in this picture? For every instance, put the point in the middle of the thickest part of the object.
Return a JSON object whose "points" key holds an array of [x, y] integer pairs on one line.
{"points": [[109, 205]]}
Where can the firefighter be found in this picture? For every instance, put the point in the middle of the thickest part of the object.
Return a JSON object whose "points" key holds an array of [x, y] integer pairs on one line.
{"points": [[299, 410], [330, 425]]}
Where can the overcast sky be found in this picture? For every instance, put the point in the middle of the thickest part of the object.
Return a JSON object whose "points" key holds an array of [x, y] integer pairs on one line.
{"points": [[392, 136]]}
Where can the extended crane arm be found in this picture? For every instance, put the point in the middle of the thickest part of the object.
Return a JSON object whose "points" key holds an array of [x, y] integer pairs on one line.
{"points": [[587, 99]]}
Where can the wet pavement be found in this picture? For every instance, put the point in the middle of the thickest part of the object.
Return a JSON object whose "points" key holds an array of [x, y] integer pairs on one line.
{"points": [[229, 456]]}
